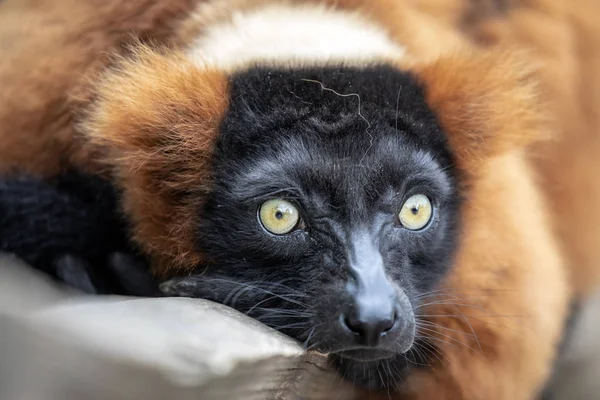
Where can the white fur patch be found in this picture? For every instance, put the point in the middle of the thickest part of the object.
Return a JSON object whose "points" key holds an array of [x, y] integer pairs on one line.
{"points": [[296, 34]]}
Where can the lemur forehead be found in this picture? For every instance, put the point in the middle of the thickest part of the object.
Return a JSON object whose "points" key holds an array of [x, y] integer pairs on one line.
{"points": [[296, 35]]}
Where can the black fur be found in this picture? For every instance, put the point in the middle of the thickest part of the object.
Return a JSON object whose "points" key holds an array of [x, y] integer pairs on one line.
{"points": [[348, 160], [68, 227]]}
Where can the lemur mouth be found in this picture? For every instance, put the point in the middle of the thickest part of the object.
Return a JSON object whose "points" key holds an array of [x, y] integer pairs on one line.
{"points": [[364, 354]]}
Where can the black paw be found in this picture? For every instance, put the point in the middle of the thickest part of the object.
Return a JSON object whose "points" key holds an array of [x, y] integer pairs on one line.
{"points": [[73, 271], [120, 273]]}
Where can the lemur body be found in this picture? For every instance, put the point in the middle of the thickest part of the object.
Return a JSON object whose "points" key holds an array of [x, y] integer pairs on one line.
{"points": [[345, 109]]}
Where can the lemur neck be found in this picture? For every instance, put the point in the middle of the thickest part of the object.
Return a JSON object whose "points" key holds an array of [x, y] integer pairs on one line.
{"points": [[290, 35]]}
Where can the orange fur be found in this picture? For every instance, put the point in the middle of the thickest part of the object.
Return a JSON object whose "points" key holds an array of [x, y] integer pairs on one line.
{"points": [[47, 47], [487, 103], [565, 37], [510, 276], [154, 118], [496, 335], [496, 338]]}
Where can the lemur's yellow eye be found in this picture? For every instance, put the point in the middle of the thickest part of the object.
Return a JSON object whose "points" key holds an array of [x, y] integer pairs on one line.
{"points": [[279, 216], [416, 212]]}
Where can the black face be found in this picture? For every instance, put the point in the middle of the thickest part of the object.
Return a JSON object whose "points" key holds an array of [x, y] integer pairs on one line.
{"points": [[334, 210]]}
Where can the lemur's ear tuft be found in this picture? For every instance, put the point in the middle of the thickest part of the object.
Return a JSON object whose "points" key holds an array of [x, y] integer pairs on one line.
{"points": [[154, 119], [488, 103]]}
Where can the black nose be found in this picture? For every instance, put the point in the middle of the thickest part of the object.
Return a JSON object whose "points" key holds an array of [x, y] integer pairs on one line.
{"points": [[370, 326]]}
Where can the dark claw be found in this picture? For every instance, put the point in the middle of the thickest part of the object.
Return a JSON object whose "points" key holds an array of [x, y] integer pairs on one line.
{"points": [[74, 272]]}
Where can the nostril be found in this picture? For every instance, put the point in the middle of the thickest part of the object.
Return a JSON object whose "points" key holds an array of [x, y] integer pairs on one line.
{"points": [[387, 325], [369, 330], [352, 324]]}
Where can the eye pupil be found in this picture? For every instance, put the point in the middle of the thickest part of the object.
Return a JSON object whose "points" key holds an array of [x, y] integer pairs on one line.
{"points": [[278, 216], [416, 212]]}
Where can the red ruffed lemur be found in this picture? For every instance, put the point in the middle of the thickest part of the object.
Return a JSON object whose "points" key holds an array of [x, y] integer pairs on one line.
{"points": [[406, 186]]}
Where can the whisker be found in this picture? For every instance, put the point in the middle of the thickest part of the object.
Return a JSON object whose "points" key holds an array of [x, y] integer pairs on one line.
{"points": [[399, 374], [448, 297], [490, 314], [433, 350], [472, 330], [480, 319], [431, 332], [262, 302], [414, 361], [305, 344], [414, 356], [234, 295], [269, 318], [429, 337], [249, 286], [383, 381], [438, 326], [451, 303], [314, 345], [391, 374], [284, 311], [474, 317], [463, 290], [255, 283], [288, 326]]}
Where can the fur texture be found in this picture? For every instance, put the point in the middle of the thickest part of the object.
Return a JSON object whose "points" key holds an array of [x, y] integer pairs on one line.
{"points": [[565, 38], [47, 50], [154, 119], [159, 145], [318, 34], [71, 214], [349, 170]]}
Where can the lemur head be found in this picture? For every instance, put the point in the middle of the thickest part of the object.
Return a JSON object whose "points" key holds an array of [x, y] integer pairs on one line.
{"points": [[321, 198], [332, 208]]}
